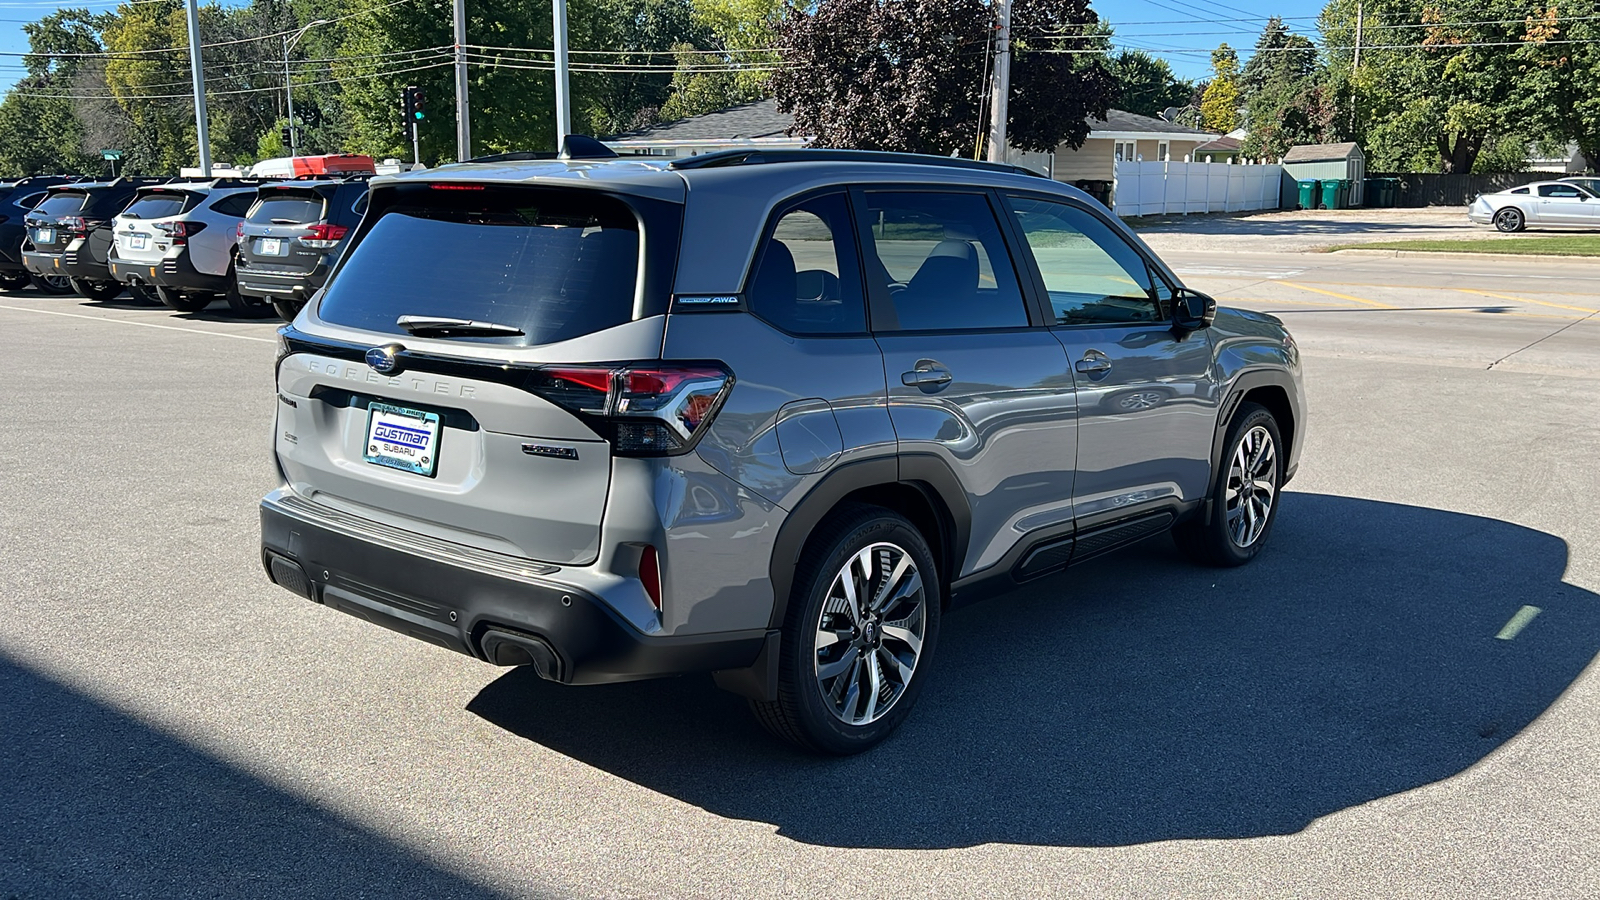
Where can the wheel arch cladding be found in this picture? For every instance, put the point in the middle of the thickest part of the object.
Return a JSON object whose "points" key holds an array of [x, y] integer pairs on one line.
{"points": [[1268, 388], [1276, 400]]}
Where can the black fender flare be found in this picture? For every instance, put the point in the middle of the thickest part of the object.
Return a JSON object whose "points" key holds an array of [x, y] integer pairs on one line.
{"points": [[925, 473], [1244, 384]]}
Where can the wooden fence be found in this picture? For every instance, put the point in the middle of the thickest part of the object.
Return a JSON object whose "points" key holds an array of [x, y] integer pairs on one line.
{"points": [[1423, 189]]}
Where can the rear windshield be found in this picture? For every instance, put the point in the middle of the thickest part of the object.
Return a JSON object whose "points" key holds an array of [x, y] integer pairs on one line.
{"points": [[554, 264], [288, 209], [160, 206], [63, 204]]}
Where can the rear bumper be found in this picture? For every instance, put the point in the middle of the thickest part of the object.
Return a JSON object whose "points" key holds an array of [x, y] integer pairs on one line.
{"points": [[74, 263], [174, 272], [488, 606], [281, 286]]}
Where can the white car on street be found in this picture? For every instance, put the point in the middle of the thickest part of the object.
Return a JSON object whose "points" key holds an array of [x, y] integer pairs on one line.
{"points": [[1543, 204]]}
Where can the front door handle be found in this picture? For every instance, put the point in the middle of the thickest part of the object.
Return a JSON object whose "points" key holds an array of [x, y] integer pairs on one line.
{"points": [[926, 375], [1093, 362]]}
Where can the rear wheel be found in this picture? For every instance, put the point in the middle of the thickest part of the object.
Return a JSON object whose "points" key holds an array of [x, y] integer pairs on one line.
{"points": [[53, 284], [1244, 503], [287, 309], [181, 302], [862, 621], [14, 281], [1509, 220], [143, 293], [95, 290]]}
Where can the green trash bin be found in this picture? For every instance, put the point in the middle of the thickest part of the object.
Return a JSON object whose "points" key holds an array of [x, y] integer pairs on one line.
{"points": [[1391, 191], [1308, 194], [1373, 192], [1335, 193]]}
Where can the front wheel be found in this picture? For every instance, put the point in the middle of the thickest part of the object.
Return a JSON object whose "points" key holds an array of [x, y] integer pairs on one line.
{"points": [[98, 291], [1244, 503], [861, 625], [181, 302], [1509, 220]]}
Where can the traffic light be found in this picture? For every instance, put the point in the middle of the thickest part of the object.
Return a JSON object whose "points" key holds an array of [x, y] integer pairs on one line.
{"points": [[288, 136], [419, 100]]}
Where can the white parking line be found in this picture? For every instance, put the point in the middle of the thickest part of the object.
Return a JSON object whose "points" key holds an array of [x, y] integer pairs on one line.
{"points": [[1518, 622], [51, 312]]}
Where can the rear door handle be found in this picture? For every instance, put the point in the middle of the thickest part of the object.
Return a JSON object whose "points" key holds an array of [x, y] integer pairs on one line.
{"points": [[1092, 362], [924, 376]]}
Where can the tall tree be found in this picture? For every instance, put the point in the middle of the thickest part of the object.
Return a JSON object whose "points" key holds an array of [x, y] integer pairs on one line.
{"points": [[1562, 90], [1146, 85], [40, 130], [1219, 108], [740, 35], [911, 74], [1283, 103]]}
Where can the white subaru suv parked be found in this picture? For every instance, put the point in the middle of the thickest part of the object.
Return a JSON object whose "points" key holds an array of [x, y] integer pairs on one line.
{"points": [[178, 240]]}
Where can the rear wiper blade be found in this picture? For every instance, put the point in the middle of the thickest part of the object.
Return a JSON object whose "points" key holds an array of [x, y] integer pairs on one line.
{"points": [[424, 325], [285, 222]]}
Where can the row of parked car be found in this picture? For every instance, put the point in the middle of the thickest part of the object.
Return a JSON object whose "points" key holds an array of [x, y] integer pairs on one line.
{"points": [[260, 245]]}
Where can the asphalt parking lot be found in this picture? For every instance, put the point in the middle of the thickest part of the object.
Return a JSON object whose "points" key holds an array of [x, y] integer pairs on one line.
{"points": [[1397, 699]]}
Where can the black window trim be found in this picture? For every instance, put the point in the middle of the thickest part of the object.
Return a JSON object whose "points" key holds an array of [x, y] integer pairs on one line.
{"points": [[1153, 265], [779, 210], [882, 318]]}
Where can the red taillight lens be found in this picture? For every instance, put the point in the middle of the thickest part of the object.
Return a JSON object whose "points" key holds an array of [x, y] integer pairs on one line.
{"points": [[75, 224], [324, 236], [238, 231], [650, 575], [644, 410], [180, 232]]}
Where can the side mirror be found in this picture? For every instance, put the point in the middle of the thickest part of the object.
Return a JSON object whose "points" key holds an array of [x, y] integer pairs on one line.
{"points": [[1192, 310]]}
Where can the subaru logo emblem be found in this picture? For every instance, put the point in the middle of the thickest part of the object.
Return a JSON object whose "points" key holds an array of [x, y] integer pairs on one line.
{"points": [[383, 359]]}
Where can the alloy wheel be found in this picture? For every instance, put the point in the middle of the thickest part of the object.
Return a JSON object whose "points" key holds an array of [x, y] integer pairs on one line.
{"points": [[870, 634], [1252, 486]]}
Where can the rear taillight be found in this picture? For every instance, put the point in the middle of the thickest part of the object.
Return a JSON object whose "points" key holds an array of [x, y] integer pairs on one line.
{"points": [[647, 409], [324, 236], [650, 575], [77, 225], [238, 231], [180, 232]]}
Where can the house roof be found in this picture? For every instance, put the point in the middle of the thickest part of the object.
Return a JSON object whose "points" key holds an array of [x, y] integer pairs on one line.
{"points": [[1322, 153], [1117, 120], [1222, 144], [747, 121]]}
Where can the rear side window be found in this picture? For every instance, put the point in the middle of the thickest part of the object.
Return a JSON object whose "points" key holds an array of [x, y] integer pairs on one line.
{"points": [[942, 261], [555, 264], [62, 204], [287, 209], [806, 279], [30, 201], [160, 205], [234, 204]]}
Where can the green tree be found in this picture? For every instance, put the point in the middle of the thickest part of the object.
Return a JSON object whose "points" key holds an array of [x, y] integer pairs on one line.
{"points": [[740, 35], [1562, 87], [910, 75], [39, 128], [1146, 85], [1283, 102], [1219, 108]]}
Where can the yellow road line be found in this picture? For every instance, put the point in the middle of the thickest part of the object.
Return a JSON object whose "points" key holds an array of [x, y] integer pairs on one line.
{"points": [[1364, 302], [1280, 300], [1396, 287], [1582, 309]]}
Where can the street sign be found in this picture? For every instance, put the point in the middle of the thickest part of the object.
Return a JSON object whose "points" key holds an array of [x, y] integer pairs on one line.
{"points": [[110, 154]]}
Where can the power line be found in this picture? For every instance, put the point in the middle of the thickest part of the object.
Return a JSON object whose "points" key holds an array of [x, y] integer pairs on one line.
{"points": [[274, 89]]}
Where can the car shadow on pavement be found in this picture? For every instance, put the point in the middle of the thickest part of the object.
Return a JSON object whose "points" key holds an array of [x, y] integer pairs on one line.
{"points": [[1138, 698], [94, 803]]}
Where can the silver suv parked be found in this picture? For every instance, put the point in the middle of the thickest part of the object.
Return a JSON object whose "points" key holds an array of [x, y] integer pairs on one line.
{"points": [[763, 414]]}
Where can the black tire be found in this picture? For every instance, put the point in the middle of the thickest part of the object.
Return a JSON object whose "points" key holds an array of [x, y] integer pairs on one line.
{"points": [[287, 309], [804, 714], [243, 305], [15, 281], [1509, 220], [181, 302], [1218, 542], [143, 293], [52, 284], [98, 291]]}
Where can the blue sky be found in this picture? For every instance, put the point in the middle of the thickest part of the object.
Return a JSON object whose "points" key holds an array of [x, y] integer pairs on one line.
{"points": [[1183, 32]]}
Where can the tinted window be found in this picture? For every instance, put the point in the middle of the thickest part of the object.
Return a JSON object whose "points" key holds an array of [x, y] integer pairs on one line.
{"points": [[1558, 190], [555, 264], [287, 209], [942, 261], [234, 204], [63, 204], [159, 206], [806, 280], [1091, 274], [1520, 191], [30, 201]]}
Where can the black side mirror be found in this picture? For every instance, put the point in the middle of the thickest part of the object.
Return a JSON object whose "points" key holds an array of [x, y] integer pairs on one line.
{"points": [[1192, 310]]}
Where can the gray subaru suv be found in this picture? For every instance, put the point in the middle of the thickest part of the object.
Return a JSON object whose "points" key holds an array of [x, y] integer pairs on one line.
{"points": [[766, 414]]}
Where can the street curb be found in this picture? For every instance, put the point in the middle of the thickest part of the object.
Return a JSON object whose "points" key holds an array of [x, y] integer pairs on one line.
{"points": [[1446, 254]]}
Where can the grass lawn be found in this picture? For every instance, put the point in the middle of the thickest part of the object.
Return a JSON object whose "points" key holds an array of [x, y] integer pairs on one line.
{"points": [[1557, 245]]}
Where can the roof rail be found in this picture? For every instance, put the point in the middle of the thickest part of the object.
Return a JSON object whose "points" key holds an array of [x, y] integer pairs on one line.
{"points": [[738, 157], [514, 156]]}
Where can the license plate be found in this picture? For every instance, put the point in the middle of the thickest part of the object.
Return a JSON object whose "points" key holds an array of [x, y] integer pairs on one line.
{"points": [[270, 247], [401, 438], [45, 236], [138, 241]]}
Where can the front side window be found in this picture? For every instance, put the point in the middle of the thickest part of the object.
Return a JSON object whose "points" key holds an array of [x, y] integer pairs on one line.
{"points": [[942, 262], [1092, 275], [806, 279]]}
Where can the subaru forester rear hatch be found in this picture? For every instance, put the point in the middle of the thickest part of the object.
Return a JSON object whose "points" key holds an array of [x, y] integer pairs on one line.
{"points": [[146, 229], [287, 231], [480, 355]]}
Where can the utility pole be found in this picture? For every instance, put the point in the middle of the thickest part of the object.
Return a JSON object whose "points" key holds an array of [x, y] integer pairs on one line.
{"points": [[200, 120], [563, 88], [463, 113], [288, 88], [1357, 63], [1002, 84]]}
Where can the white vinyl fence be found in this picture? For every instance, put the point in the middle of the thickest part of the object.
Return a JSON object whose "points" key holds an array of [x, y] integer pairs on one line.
{"points": [[1158, 188]]}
